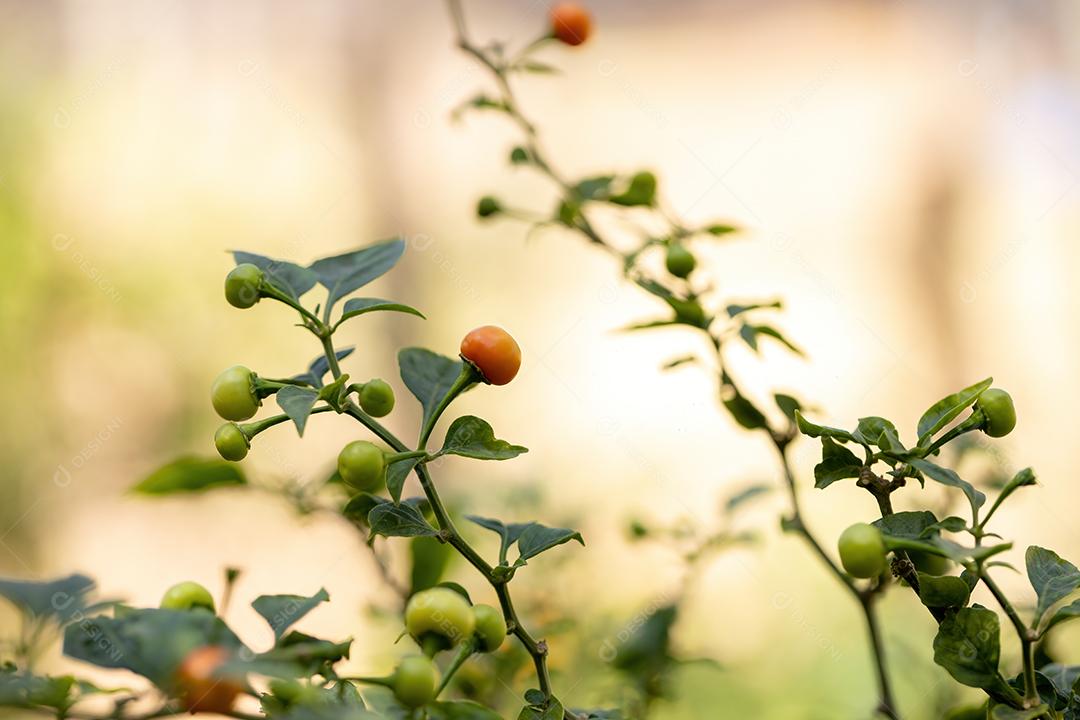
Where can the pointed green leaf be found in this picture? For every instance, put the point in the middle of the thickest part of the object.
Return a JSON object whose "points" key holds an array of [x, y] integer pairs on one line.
{"points": [[429, 376], [399, 520], [320, 366], [344, 274], [472, 437], [297, 402], [947, 477], [150, 642], [837, 463], [288, 277], [968, 646], [283, 611], [537, 538], [1067, 612], [59, 600], [396, 475], [360, 306], [1052, 577], [815, 431], [948, 409], [191, 474]]}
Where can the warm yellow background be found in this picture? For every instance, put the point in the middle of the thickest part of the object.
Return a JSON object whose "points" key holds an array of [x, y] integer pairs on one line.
{"points": [[907, 174]]}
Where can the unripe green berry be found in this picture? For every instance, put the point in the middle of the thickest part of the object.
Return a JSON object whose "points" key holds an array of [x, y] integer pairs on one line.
{"points": [[186, 596], [377, 398], [233, 394], [415, 681], [490, 628], [439, 613], [680, 261], [862, 550], [997, 406], [231, 442], [362, 465], [242, 285], [488, 206]]}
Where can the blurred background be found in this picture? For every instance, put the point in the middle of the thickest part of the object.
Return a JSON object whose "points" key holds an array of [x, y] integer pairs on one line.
{"points": [[906, 174]]}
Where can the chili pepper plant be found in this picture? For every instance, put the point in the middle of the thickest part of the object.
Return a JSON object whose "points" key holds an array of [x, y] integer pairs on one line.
{"points": [[872, 556]]}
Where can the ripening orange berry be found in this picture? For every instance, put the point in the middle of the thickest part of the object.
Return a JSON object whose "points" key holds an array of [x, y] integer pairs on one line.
{"points": [[198, 687], [570, 23], [494, 353]]}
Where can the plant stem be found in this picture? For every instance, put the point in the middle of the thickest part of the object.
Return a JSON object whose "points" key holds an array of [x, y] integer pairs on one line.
{"points": [[465, 379], [448, 531], [464, 653], [886, 706], [1027, 640], [886, 703]]}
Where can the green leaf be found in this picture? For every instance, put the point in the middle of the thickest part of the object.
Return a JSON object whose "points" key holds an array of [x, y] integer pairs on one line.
{"points": [[150, 642], [459, 710], [320, 366], [744, 496], [719, 229], [749, 333], [25, 690], [641, 191], [537, 538], [509, 534], [947, 477], [1052, 577], [1067, 612], [345, 274], [288, 277], [360, 506], [472, 437], [294, 655], [429, 559], [297, 402], [284, 611], [399, 520], [649, 644], [478, 102], [744, 412], [968, 646], [736, 310], [519, 156], [191, 474], [359, 306], [912, 524], [396, 475], [595, 188], [1063, 677], [837, 463], [788, 405], [815, 431], [948, 409], [943, 592], [879, 432], [59, 600], [429, 376], [553, 710]]}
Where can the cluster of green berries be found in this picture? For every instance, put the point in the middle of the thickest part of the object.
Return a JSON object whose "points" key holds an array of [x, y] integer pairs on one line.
{"points": [[862, 547]]}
